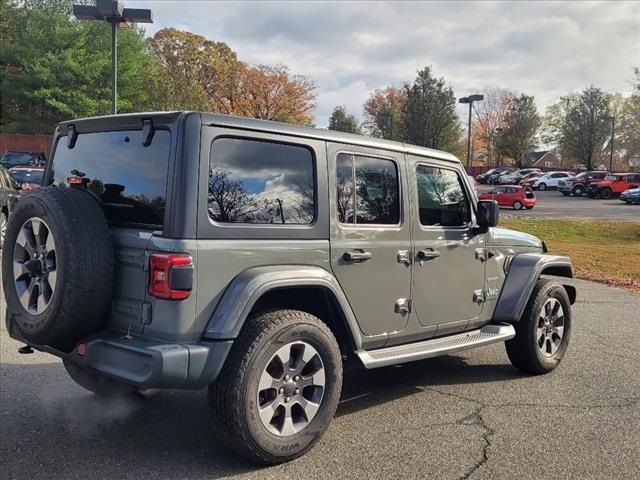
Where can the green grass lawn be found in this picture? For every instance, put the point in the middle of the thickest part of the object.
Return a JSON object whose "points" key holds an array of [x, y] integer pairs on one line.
{"points": [[604, 251]]}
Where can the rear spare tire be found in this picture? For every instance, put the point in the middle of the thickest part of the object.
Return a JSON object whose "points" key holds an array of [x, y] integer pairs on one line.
{"points": [[57, 267]]}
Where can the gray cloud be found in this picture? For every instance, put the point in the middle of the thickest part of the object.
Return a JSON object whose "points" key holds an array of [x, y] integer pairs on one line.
{"points": [[545, 49]]}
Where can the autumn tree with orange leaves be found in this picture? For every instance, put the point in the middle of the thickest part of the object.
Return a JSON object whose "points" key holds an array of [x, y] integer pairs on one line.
{"points": [[205, 75]]}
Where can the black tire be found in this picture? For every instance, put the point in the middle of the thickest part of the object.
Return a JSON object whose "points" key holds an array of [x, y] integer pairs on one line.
{"points": [[524, 350], [3, 227], [78, 275], [542, 186], [578, 191], [517, 205], [606, 193], [233, 397], [566, 194]]}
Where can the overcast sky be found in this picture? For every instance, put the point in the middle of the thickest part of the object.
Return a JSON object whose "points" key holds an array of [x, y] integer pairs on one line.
{"points": [[349, 49]]}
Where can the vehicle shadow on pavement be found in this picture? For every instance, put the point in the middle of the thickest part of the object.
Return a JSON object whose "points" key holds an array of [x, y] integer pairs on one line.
{"points": [[371, 388], [73, 433]]}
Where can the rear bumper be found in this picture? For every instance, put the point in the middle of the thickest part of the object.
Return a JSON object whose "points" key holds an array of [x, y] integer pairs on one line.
{"points": [[146, 363]]}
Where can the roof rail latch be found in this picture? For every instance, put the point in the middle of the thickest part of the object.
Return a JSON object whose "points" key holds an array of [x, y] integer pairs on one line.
{"points": [[147, 132]]}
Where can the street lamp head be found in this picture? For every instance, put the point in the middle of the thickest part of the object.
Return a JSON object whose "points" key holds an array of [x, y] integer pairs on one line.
{"points": [[464, 100], [110, 8], [476, 97], [112, 11]]}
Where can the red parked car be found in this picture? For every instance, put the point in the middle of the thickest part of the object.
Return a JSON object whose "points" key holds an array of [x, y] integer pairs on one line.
{"points": [[512, 196]]}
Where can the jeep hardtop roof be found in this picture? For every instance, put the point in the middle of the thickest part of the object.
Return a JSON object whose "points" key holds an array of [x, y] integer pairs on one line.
{"points": [[134, 121]]}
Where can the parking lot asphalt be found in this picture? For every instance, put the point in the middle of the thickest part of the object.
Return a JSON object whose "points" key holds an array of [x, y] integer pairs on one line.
{"points": [[469, 415], [552, 204]]}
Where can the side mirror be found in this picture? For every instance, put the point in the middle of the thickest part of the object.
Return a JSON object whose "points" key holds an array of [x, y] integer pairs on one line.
{"points": [[488, 213]]}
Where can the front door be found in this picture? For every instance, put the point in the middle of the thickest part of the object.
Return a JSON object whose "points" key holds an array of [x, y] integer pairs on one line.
{"points": [[370, 236], [448, 253]]}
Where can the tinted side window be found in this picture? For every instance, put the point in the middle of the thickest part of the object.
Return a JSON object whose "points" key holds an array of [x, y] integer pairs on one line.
{"points": [[252, 181], [441, 197], [369, 186]]}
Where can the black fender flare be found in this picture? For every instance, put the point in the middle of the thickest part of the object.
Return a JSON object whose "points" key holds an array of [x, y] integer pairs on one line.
{"points": [[248, 286], [524, 271]]}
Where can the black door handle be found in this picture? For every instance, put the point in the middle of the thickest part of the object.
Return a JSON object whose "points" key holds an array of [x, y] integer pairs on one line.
{"points": [[428, 254], [356, 256]]}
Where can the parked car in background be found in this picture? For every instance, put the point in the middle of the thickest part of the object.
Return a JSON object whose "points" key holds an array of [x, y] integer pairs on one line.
{"points": [[528, 179], [512, 196], [482, 178], [514, 178], [631, 196], [29, 178], [613, 184], [578, 185], [8, 196], [494, 178], [549, 180], [14, 159]]}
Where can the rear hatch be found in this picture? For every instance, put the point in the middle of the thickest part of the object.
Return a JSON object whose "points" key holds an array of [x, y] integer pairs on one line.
{"points": [[128, 171]]}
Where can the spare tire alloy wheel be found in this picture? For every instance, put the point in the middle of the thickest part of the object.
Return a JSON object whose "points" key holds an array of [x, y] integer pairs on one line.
{"points": [[57, 267], [34, 265], [291, 389]]}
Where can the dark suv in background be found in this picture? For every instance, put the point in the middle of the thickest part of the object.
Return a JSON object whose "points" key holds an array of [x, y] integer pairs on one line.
{"points": [[14, 159], [579, 184], [9, 194]]}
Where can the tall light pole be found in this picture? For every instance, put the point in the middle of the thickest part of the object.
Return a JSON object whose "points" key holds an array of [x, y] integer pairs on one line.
{"points": [[611, 119], [470, 99], [113, 12]]}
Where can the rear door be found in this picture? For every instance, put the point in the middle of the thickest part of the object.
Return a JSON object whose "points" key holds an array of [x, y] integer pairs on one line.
{"points": [[130, 180], [370, 236]]}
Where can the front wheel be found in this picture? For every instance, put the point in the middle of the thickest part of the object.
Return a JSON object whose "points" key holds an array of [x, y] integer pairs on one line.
{"points": [[606, 193], [279, 388], [542, 334], [578, 191]]}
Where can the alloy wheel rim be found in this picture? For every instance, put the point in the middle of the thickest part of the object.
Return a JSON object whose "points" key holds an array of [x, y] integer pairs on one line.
{"points": [[550, 327], [34, 266], [291, 389], [3, 228]]}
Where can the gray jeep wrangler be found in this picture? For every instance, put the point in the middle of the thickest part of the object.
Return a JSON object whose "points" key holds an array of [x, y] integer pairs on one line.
{"points": [[191, 250]]}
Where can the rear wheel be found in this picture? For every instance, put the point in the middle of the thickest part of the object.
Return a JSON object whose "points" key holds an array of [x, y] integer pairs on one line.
{"points": [[566, 194], [279, 388], [529, 207], [542, 334], [517, 205], [542, 186], [606, 193]]}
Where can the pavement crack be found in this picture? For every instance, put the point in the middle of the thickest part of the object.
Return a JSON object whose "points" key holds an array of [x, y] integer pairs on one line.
{"points": [[476, 418]]}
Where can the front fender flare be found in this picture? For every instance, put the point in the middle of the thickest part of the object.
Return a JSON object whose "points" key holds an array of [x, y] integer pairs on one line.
{"points": [[524, 271], [248, 286]]}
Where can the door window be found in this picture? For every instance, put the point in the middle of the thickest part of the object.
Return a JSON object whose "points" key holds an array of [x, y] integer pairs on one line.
{"points": [[441, 197], [368, 191]]}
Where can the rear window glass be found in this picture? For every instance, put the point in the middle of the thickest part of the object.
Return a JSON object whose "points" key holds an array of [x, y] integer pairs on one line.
{"points": [[129, 178], [28, 176], [253, 181]]}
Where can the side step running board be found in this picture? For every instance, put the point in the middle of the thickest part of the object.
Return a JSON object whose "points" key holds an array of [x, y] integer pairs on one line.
{"points": [[439, 346]]}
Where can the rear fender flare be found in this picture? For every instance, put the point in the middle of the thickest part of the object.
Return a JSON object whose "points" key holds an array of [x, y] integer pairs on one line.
{"points": [[524, 271], [250, 285]]}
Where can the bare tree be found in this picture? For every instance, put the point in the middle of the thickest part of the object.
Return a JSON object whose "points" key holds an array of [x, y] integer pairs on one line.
{"points": [[488, 120]]}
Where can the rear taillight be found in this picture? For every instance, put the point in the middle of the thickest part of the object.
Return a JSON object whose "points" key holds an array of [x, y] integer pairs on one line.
{"points": [[170, 275]]}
